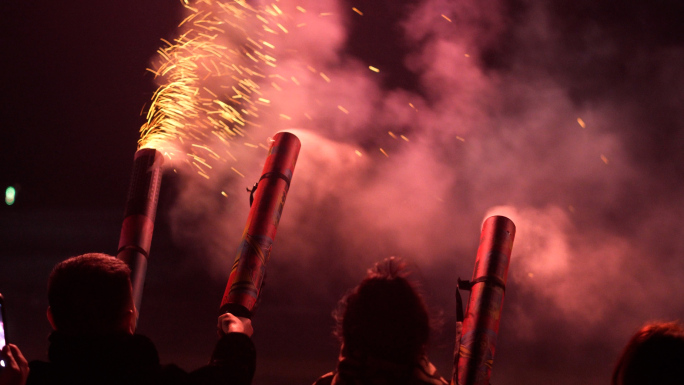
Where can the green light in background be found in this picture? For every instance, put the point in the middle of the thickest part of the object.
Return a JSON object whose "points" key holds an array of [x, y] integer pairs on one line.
{"points": [[10, 194]]}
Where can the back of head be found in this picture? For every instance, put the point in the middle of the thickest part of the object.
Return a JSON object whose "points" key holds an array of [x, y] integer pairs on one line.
{"points": [[384, 316], [654, 355], [90, 293]]}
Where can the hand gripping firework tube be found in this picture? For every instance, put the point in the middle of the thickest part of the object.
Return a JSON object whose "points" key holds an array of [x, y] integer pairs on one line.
{"points": [[247, 274], [481, 324], [138, 224]]}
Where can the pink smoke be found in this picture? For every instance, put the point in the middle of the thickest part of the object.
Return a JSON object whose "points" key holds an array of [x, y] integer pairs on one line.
{"points": [[479, 142]]}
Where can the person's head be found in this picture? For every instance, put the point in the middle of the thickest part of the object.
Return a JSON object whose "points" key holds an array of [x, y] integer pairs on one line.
{"points": [[654, 355], [91, 294], [384, 316]]}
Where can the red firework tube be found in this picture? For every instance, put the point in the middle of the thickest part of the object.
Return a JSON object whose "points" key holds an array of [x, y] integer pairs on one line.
{"points": [[247, 274], [481, 324], [138, 223]]}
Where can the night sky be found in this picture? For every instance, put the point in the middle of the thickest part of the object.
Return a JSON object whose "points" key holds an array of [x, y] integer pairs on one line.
{"points": [[565, 116]]}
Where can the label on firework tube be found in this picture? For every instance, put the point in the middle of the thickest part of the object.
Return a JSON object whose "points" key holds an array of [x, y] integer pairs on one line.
{"points": [[481, 324], [247, 273]]}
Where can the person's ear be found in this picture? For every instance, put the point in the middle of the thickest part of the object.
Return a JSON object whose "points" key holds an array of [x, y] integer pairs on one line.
{"points": [[51, 318], [131, 316]]}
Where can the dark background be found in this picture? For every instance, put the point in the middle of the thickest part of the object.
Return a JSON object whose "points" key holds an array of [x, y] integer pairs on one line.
{"points": [[74, 83]]}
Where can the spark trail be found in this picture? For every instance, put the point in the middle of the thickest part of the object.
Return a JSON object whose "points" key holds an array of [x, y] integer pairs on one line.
{"points": [[209, 79]]}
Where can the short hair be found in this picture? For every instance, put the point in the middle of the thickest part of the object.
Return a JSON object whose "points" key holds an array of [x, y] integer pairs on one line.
{"points": [[89, 293], [385, 316], [654, 355]]}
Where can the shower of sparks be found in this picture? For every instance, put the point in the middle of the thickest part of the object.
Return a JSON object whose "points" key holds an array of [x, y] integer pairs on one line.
{"points": [[219, 77], [210, 79]]}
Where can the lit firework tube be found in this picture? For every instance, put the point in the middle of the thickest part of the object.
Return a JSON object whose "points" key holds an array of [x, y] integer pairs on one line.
{"points": [[247, 274], [481, 324], [138, 223]]}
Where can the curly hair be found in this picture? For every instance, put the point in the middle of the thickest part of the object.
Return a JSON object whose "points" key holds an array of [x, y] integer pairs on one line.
{"points": [[385, 316], [654, 355]]}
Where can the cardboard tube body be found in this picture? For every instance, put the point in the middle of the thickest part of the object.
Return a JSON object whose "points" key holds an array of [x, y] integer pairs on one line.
{"points": [[481, 324], [247, 273], [138, 223]]}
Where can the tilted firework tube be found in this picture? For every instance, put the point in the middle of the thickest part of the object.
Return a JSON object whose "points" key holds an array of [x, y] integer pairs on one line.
{"points": [[247, 274], [477, 342], [138, 223]]}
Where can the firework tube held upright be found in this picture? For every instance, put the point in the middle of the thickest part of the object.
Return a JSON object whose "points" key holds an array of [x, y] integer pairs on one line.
{"points": [[138, 223], [247, 273], [477, 343]]}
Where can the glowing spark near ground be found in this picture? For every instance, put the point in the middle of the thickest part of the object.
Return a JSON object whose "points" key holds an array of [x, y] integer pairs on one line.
{"points": [[210, 78], [373, 69], [357, 11], [581, 123], [446, 18]]}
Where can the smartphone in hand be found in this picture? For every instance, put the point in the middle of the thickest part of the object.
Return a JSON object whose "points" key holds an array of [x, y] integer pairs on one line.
{"points": [[3, 342]]}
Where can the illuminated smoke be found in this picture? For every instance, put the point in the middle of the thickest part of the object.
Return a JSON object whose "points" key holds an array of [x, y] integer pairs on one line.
{"points": [[499, 123]]}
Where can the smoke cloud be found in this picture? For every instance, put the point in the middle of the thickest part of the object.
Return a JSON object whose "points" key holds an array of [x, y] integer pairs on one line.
{"points": [[563, 116]]}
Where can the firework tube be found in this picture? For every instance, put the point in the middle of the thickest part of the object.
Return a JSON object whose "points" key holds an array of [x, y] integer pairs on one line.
{"points": [[481, 324], [138, 223], [247, 274]]}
